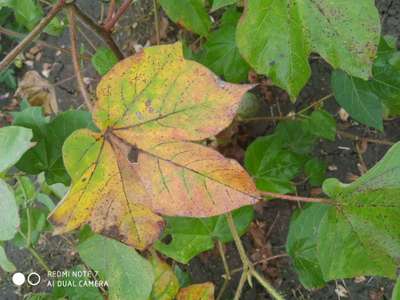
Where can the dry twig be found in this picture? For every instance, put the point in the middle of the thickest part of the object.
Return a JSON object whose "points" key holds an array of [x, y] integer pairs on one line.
{"points": [[31, 36], [75, 57]]}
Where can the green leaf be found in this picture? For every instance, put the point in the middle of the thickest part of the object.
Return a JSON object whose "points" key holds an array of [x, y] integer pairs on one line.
{"points": [[5, 263], [103, 60], [9, 219], [364, 100], [322, 124], [8, 78], [296, 135], [302, 244], [38, 220], [276, 38], [191, 14], [27, 12], [315, 170], [166, 284], [129, 275], [355, 96], [396, 290], [217, 4], [14, 142], [362, 235], [385, 82], [25, 191], [183, 277], [46, 201], [220, 52], [191, 236], [56, 27], [46, 156], [75, 292], [271, 165]]}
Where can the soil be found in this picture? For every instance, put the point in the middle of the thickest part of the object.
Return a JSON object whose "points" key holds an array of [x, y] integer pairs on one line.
{"points": [[272, 218]]}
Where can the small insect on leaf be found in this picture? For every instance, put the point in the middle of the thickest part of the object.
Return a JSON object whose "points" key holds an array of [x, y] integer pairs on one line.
{"points": [[144, 163]]}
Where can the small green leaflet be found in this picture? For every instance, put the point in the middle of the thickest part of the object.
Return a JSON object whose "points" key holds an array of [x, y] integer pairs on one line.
{"points": [[9, 219], [39, 224], [8, 78], [275, 160], [192, 236], [322, 124], [271, 165], [129, 276], [220, 52], [357, 99], [103, 60], [46, 156], [368, 101], [191, 14], [25, 191], [5, 263], [360, 235], [315, 169], [217, 4], [14, 142], [277, 37]]}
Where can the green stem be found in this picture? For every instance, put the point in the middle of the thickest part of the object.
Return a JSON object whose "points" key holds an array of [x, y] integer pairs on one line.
{"points": [[29, 232], [238, 242], [224, 261], [242, 281], [39, 259], [271, 290], [248, 268]]}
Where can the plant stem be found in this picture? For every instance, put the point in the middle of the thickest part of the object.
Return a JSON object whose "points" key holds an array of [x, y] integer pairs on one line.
{"points": [[297, 198], [248, 268], [266, 119], [271, 290], [242, 253], [39, 42], [98, 30], [121, 10], [110, 12], [29, 233], [31, 36], [39, 259], [315, 103], [242, 281], [224, 261], [75, 57], [355, 137], [156, 21]]}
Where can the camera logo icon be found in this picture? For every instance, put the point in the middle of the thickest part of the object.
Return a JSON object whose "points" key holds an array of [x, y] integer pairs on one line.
{"points": [[19, 279]]}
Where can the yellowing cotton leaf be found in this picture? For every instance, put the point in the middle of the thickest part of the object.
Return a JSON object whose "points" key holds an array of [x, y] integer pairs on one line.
{"points": [[143, 163], [203, 291]]}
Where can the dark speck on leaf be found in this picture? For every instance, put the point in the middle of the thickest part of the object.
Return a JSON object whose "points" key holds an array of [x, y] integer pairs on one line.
{"points": [[133, 155]]}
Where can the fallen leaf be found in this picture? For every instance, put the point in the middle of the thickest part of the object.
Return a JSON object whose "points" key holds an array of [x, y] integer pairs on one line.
{"points": [[38, 91], [341, 291], [151, 108]]}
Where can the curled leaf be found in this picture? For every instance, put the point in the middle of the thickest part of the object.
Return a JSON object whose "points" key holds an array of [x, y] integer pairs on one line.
{"points": [[151, 108]]}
